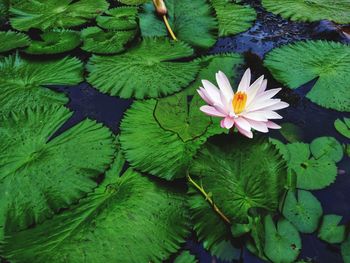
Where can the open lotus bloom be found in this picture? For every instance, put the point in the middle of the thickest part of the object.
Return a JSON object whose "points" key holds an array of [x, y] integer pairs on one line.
{"points": [[251, 107]]}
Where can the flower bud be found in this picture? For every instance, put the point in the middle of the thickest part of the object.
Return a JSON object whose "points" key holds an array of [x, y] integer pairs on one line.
{"points": [[160, 7]]}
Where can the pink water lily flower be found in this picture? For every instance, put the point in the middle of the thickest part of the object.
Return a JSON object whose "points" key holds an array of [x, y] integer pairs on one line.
{"points": [[251, 107]]}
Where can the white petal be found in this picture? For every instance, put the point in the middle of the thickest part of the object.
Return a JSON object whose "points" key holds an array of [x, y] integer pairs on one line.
{"points": [[272, 125], [242, 124], [245, 81], [259, 105], [202, 93], [263, 86], [268, 94], [258, 125], [253, 89], [224, 85], [254, 115], [228, 122], [212, 91], [278, 106], [211, 111], [271, 114], [248, 134]]}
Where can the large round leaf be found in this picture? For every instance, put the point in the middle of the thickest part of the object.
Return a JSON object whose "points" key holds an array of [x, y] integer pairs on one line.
{"points": [[10, 40], [161, 137], [299, 63], [45, 14], [127, 218], [21, 81], [41, 173], [241, 174], [192, 21], [147, 70], [314, 10], [120, 18]]}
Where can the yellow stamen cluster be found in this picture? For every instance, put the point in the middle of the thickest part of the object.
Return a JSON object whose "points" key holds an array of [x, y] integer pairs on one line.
{"points": [[239, 101]]}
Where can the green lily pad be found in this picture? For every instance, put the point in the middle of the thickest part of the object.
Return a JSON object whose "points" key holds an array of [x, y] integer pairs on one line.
{"points": [[185, 257], [22, 81], [120, 18], [147, 70], [133, 2], [55, 41], [291, 132], [46, 14], [191, 20], [326, 148], [233, 18], [330, 231], [282, 243], [343, 127], [345, 250], [97, 40], [304, 212], [310, 11], [128, 216], [11, 40], [40, 174], [298, 63], [161, 137]]}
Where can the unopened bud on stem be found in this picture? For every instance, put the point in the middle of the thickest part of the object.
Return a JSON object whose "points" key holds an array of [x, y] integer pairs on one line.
{"points": [[160, 7]]}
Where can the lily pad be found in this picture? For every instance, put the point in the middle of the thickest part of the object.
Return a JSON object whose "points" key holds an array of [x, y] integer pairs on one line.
{"points": [[326, 148], [162, 136], [330, 230], [282, 243], [126, 217], [345, 250], [133, 2], [97, 40], [304, 212], [11, 40], [41, 173], [46, 14], [147, 70], [22, 81], [185, 257], [310, 11], [192, 21], [55, 41], [120, 18], [343, 127], [298, 63], [291, 132]]}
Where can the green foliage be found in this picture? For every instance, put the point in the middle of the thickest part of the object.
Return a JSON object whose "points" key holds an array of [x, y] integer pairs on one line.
{"points": [[39, 173], [22, 80], [4, 7], [46, 14], [191, 20], [345, 250], [120, 18], [133, 2], [97, 40], [291, 132], [10, 40], [233, 18], [126, 217], [304, 213], [298, 63], [326, 148], [55, 41], [147, 70], [282, 243], [330, 231], [242, 175], [185, 257], [343, 127], [161, 137], [310, 11]]}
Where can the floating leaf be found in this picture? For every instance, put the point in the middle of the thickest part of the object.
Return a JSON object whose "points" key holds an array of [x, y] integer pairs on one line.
{"points": [[298, 63], [343, 127], [98, 41], [133, 2], [282, 244], [46, 14], [147, 70], [304, 213], [55, 41], [40, 174], [330, 231], [191, 20], [120, 18], [326, 148], [21, 81], [185, 257], [310, 11], [312, 174], [233, 18], [126, 217], [10, 40], [242, 174], [161, 137], [345, 250], [291, 132]]}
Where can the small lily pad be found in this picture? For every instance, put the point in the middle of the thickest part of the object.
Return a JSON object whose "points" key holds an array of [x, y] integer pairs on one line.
{"points": [[291, 132], [343, 127], [330, 230], [326, 148]]}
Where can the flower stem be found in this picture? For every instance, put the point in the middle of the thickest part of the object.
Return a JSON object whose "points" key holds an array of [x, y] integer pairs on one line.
{"points": [[208, 198], [169, 28]]}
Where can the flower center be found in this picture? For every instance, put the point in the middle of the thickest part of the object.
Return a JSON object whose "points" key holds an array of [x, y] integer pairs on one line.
{"points": [[239, 101]]}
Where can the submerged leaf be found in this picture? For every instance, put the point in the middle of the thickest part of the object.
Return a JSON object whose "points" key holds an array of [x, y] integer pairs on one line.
{"points": [[120, 18], [127, 217], [147, 70], [291, 132], [185, 257], [191, 20], [343, 127], [326, 148], [328, 62], [39, 173], [330, 231], [22, 80], [55, 41], [11, 40], [46, 14]]}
